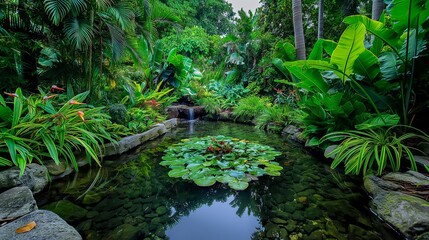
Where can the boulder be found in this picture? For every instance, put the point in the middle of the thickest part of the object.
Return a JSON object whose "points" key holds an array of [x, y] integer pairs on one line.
{"points": [[67, 210], [35, 177], [49, 226], [294, 133], [130, 142], [170, 123], [406, 213], [411, 177], [56, 169], [184, 111], [16, 202]]}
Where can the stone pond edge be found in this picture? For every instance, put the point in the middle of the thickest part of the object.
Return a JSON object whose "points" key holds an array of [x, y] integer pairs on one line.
{"points": [[12, 182]]}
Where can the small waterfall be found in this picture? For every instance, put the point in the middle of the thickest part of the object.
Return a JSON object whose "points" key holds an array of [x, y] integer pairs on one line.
{"points": [[191, 113]]}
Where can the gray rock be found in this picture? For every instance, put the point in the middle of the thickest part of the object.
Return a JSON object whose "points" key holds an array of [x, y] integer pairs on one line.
{"points": [[49, 227], [67, 210], [183, 111], [56, 169], [16, 202], [35, 177], [170, 123], [130, 142], [375, 185], [407, 213], [410, 177]]}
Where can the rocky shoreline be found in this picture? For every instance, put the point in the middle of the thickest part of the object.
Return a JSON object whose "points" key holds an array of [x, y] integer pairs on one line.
{"points": [[19, 207]]}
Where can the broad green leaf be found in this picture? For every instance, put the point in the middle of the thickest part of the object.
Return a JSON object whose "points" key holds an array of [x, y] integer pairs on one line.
{"points": [[367, 65], [206, 181], [238, 185], [384, 120], [322, 45], [388, 66], [278, 63], [310, 79], [225, 179], [178, 172], [285, 51], [403, 14], [376, 28], [350, 46]]}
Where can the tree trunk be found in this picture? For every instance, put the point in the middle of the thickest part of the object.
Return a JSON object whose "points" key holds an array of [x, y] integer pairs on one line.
{"points": [[320, 20], [377, 8], [298, 29]]}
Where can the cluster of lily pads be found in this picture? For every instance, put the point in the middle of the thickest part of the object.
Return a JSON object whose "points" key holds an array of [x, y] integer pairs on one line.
{"points": [[212, 159]]}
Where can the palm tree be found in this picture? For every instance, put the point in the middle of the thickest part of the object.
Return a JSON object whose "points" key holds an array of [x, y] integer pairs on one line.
{"points": [[377, 8], [298, 29], [320, 20]]}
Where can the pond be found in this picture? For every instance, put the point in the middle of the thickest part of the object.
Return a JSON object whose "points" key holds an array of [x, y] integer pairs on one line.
{"points": [[132, 197]]}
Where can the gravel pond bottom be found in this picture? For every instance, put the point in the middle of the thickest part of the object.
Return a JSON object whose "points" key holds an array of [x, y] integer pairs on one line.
{"points": [[132, 197]]}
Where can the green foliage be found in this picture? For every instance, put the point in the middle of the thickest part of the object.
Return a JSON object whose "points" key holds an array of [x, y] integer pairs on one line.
{"points": [[40, 128], [221, 159], [190, 42], [118, 114], [215, 16], [364, 151], [273, 118], [250, 107]]}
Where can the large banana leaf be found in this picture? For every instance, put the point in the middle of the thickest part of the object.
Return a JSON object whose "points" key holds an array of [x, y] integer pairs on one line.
{"points": [[412, 12], [322, 45], [350, 46], [367, 65], [388, 66], [378, 29], [310, 79]]}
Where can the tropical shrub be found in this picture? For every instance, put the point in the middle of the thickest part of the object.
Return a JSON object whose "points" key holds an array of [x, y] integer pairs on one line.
{"points": [[221, 159], [250, 107], [37, 128], [118, 114], [273, 118], [373, 149]]}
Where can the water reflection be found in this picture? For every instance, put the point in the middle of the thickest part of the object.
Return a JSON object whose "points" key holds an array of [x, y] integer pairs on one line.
{"points": [[134, 198], [219, 220]]}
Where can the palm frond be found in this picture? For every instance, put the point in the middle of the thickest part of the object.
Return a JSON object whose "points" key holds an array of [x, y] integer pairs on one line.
{"points": [[78, 33], [57, 9]]}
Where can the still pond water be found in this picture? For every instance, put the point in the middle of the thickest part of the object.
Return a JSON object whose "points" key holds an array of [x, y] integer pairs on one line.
{"points": [[132, 197]]}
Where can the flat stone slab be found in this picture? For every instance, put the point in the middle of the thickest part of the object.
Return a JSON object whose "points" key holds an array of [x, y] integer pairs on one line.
{"points": [[390, 201], [130, 142], [49, 226], [16, 202]]}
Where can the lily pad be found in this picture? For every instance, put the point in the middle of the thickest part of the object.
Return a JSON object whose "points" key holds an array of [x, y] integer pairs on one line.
{"points": [[206, 181], [238, 185], [178, 172], [223, 159]]}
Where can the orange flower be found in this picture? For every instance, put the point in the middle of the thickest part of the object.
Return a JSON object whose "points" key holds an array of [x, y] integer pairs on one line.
{"points": [[48, 97], [14, 95], [55, 87], [74, 102], [81, 114]]}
